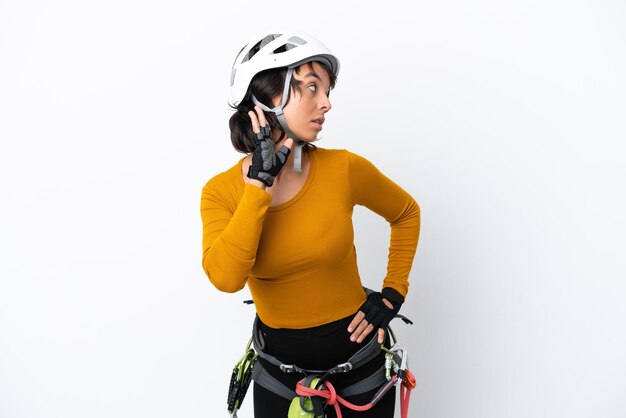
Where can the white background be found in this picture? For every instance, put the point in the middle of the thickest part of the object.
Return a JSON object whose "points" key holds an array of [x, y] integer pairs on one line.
{"points": [[505, 120]]}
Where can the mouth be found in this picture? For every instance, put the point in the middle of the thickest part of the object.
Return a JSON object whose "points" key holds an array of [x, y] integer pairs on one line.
{"points": [[318, 123]]}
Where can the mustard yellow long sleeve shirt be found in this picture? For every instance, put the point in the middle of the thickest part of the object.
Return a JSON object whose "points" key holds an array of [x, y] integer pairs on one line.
{"points": [[298, 258]]}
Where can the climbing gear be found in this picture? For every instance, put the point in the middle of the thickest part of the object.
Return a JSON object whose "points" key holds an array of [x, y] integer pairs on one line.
{"points": [[402, 373], [396, 373], [313, 393], [328, 392], [367, 353], [240, 380], [266, 163], [284, 49], [306, 407]]}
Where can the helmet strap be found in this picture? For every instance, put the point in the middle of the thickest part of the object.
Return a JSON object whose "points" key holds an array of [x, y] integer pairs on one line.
{"points": [[278, 111]]}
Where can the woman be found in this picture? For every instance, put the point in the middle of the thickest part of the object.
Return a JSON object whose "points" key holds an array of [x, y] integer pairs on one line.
{"points": [[281, 222]]}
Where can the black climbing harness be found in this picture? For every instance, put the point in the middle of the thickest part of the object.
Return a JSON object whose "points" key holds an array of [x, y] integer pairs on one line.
{"points": [[394, 371]]}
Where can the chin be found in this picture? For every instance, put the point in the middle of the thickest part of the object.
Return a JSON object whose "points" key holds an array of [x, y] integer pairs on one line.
{"points": [[312, 137], [307, 135], [307, 138]]}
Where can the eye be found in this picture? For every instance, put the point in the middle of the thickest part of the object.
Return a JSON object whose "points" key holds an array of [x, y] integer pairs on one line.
{"points": [[313, 87]]}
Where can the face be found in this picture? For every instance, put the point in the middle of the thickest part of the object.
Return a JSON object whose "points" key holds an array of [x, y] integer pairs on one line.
{"points": [[305, 110]]}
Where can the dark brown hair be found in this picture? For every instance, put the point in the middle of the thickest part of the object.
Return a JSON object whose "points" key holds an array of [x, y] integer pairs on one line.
{"points": [[265, 86]]}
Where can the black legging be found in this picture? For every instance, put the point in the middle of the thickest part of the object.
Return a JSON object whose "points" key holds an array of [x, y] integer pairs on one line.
{"points": [[318, 348]]}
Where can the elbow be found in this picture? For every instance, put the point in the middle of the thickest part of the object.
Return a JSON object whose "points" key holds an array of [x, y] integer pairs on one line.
{"points": [[410, 215], [416, 211], [228, 286], [413, 208], [222, 280], [416, 216]]}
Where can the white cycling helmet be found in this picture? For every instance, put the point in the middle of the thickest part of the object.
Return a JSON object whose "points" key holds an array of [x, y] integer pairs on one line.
{"points": [[280, 49]]}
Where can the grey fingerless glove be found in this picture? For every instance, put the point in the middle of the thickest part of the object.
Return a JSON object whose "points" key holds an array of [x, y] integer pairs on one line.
{"points": [[267, 163]]}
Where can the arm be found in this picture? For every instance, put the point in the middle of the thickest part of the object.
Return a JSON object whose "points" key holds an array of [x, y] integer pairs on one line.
{"points": [[230, 240], [375, 191]]}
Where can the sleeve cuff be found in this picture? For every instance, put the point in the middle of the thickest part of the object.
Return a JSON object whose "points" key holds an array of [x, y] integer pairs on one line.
{"points": [[392, 295]]}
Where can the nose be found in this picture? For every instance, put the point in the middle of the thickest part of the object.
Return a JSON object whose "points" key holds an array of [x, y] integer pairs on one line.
{"points": [[325, 103]]}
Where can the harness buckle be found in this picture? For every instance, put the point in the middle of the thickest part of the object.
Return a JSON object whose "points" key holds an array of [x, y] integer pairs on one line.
{"points": [[288, 368], [343, 367]]}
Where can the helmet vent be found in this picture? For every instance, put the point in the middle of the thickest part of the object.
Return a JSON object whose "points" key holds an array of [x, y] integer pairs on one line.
{"points": [[237, 57], [284, 48], [292, 43], [297, 40], [256, 48]]}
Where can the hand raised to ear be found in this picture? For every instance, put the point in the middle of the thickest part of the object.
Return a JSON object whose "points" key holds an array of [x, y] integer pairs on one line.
{"points": [[266, 162]]}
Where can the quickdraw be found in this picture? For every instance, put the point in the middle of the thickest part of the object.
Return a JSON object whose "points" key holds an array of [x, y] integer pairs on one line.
{"points": [[240, 380]]}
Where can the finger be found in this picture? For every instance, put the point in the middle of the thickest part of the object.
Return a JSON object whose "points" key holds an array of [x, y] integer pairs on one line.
{"points": [[381, 335], [365, 333], [282, 154], [359, 330], [288, 143], [256, 128], [356, 320], [261, 115]]}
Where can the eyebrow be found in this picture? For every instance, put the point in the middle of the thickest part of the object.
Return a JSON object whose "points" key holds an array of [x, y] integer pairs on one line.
{"points": [[313, 74]]}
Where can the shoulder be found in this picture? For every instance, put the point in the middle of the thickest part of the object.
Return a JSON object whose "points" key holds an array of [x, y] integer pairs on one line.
{"points": [[329, 155], [225, 177], [353, 163], [338, 154], [227, 184]]}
